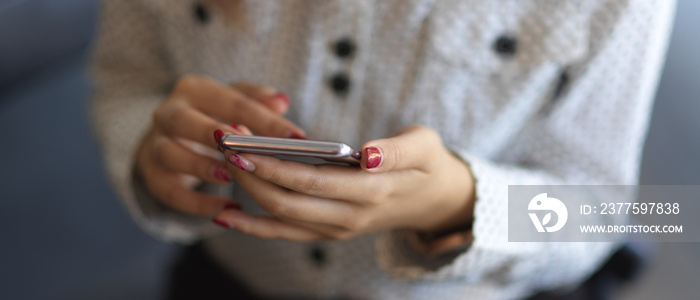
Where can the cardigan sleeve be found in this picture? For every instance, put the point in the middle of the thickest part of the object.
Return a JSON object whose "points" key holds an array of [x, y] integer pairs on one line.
{"points": [[131, 76], [593, 134]]}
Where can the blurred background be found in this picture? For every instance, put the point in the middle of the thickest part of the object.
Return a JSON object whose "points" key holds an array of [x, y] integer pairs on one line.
{"points": [[66, 236]]}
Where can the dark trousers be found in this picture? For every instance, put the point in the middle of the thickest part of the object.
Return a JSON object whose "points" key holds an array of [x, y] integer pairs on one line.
{"points": [[196, 276]]}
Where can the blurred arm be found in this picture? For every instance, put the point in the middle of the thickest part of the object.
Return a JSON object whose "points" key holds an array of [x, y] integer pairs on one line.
{"points": [[593, 134]]}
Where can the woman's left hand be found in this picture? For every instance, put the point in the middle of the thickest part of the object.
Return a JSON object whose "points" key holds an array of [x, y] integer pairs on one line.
{"points": [[409, 181]]}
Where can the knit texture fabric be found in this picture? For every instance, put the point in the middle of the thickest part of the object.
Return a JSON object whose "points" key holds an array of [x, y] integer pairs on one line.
{"points": [[527, 92]]}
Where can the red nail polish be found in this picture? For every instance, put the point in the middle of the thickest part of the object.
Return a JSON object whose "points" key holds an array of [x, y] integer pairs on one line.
{"points": [[218, 134], [221, 223], [235, 160], [222, 173], [374, 157], [241, 163], [298, 137], [233, 206], [284, 98], [234, 125]]}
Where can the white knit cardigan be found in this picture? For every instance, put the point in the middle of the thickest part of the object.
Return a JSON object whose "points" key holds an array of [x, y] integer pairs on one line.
{"points": [[527, 92]]}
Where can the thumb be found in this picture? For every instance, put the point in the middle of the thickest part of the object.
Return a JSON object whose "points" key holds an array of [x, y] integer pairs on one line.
{"points": [[414, 147]]}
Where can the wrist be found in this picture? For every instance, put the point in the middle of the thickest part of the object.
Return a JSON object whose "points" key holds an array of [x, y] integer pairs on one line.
{"points": [[456, 207], [453, 232]]}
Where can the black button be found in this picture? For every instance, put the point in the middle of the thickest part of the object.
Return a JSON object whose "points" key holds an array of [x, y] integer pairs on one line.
{"points": [[340, 83], [317, 255], [506, 45], [201, 13], [345, 48], [561, 84]]}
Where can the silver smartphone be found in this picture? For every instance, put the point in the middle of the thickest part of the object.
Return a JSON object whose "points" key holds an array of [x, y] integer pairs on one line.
{"points": [[331, 151]]}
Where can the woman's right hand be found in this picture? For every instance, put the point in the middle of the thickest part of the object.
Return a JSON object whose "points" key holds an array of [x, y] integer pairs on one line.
{"points": [[179, 151]]}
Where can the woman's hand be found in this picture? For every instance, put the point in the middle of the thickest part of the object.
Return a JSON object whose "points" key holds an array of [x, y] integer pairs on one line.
{"points": [[408, 181], [179, 152]]}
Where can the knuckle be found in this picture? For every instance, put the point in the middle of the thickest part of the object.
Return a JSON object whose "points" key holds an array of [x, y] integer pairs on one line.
{"points": [[431, 137], [159, 114], [246, 227], [177, 114], [431, 134], [312, 184], [271, 174], [382, 190], [374, 199], [162, 117], [355, 223], [166, 116], [277, 208], [420, 129], [187, 82], [160, 151]]}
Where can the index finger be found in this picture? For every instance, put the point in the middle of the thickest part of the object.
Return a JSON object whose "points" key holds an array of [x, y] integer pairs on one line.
{"points": [[323, 181], [268, 96], [228, 104]]}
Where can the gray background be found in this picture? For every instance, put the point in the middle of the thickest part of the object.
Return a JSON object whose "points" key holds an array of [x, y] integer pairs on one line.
{"points": [[671, 156], [65, 235]]}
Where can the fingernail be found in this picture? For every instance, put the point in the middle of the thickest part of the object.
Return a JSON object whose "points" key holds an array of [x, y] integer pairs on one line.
{"points": [[241, 163], [235, 206], [218, 134], [298, 137], [284, 98], [221, 173], [374, 157], [222, 223], [242, 130]]}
